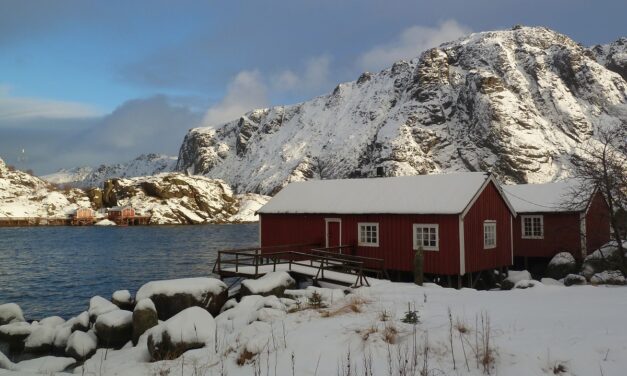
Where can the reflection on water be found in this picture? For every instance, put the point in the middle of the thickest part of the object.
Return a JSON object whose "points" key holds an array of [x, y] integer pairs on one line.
{"points": [[55, 270]]}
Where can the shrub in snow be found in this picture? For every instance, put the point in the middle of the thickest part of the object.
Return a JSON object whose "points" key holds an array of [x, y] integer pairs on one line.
{"points": [[123, 299], [173, 296], [190, 329], [144, 318], [99, 306], [14, 334], [329, 296], [574, 280], [274, 283], [10, 313], [115, 328], [604, 258], [513, 277], [81, 345], [561, 265], [608, 277]]}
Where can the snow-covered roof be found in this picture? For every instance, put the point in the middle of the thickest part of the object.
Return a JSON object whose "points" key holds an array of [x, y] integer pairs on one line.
{"points": [[548, 197], [423, 194]]}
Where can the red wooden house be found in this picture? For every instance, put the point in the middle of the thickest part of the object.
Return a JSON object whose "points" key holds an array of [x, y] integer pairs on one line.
{"points": [[83, 216], [462, 221], [548, 223]]}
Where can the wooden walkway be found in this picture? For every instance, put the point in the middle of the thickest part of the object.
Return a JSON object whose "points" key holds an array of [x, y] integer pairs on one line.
{"points": [[334, 265], [33, 221]]}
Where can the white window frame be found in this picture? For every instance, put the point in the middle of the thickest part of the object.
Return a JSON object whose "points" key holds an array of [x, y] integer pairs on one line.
{"points": [[531, 218], [489, 224], [366, 243], [437, 236]]}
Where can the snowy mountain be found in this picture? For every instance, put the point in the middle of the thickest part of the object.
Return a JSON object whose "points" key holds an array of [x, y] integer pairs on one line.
{"points": [[613, 56], [23, 195], [517, 102], [85, 177]]}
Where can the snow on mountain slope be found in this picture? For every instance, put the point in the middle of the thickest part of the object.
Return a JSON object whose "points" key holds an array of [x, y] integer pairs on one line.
{"points": [[613, 56], [173, 198], [517, 102], [23, 195], [85, 177]]}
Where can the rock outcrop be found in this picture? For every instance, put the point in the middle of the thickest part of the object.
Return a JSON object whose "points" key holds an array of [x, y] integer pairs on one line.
{"points": [[515, 102]]}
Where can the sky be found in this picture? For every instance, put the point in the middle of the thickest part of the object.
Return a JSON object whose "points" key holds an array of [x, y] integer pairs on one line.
{"points": [[91, 82]]}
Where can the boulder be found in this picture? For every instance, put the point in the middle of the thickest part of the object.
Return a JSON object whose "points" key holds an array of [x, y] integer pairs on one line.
{"points": [[114, 329], [605, 258], [81, 345], [173, 296], [561, 265], [123, 299], [10, 313], [80, 322], [574, 280], [40, 340], [47, 365], [608, 277], [191, 328], [14, 334], [526, 283], [144, 318], [99, 306], [513, 277], [274, 283]]}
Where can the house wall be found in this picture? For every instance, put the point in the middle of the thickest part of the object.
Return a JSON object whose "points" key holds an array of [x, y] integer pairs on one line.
{"points": [[488, 206], [597, 223], [561, 233], [84, 213], [395, 237]]}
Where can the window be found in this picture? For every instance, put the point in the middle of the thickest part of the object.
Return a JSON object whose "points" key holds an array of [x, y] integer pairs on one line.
{"points": [[426, 236], [368, 234], [489, 234], [532, 226]]}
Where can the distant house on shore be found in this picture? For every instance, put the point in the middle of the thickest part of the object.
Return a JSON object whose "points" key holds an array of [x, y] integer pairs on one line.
{"points": [[548, 222], [83, 216], [462, 221], [126, 216]]}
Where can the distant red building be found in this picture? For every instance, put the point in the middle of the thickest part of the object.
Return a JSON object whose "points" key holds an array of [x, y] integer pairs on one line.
{"points": [[547, 222], [462, 221], [83, 216]]}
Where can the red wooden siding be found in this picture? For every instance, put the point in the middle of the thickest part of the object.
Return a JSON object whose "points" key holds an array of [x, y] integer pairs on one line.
{"points": [[395, 237], [488, 206], [597, 223], [561, 233]]}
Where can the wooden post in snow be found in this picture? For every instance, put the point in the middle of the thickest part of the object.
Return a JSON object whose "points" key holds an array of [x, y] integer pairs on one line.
{"points": [[419, 266]]}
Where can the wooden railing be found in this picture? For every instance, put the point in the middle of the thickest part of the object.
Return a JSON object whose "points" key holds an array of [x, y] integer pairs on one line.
{"points": [[249, 260]]}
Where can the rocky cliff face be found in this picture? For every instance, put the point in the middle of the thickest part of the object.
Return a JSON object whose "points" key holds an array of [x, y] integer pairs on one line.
{"points": [[516, 102], [613, 56], [87, 177], [23, 195], [173, 198]]}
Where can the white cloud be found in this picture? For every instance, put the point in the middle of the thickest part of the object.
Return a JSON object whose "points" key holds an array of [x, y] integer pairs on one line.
{"points": [[25, 108], [247, 91], [314, 77], [410, 43]]}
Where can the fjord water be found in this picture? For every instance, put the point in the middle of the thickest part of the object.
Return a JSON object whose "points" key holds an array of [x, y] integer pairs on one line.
{"points": [[56, 270]]}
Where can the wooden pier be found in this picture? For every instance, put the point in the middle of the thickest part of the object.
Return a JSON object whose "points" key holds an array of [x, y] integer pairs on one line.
{"points": [[33, 221], [333, 265]]}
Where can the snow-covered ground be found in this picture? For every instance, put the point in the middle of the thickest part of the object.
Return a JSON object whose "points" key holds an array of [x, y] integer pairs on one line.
{"points": [[543, 330]]}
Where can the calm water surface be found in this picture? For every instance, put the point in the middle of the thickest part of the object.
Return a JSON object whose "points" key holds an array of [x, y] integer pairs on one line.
{"points": [[55, 270]]}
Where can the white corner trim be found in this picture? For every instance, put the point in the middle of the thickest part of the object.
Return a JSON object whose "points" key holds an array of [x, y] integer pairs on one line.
{"points": [[582, 234], [462, 251], [511, 237], [259, 230]]}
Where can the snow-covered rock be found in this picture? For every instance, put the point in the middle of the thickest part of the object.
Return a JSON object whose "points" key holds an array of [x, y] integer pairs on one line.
{"points": [[115, 328], [249, 203], [613, 56], [574, 280], [605, 258], [513, 277], [517, 102], [608, 277], [41, 339], [46, 365], [144, 318], [9, 313], [81, 345], [551, 282], [561, 265], [274, 283], [527, 283], [26, 196], [87, 177], [80, 322], [123, 299], [191, 328], [105, 222], [250, 308], [172, 296], [15, 333], [99, 306]]}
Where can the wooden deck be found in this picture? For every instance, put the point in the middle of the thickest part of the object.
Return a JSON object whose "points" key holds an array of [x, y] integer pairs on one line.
{"points": [[320, 264], [33, 221]]}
